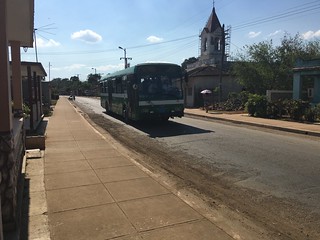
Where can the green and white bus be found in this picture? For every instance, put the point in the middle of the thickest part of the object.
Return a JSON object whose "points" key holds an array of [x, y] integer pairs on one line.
{"points": [[149, 91]]}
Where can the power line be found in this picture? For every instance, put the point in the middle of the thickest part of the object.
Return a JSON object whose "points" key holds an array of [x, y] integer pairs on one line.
{"points": [[280, 16], [315, 5], [115, 49]]}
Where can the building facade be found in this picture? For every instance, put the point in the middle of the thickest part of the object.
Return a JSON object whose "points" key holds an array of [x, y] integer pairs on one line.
{"points": [[307, 68], [211, 70], [16, 30]]}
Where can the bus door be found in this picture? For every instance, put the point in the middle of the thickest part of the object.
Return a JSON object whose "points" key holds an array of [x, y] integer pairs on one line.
{"points": [[133, 95], [110, 91]]}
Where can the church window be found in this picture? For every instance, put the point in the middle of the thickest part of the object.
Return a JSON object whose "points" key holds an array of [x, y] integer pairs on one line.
{"points": [[205, 45], [217, 44]]}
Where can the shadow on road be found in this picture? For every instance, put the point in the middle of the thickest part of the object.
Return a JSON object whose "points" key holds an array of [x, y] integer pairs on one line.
{"points": [[168, 129], [162, 129]]}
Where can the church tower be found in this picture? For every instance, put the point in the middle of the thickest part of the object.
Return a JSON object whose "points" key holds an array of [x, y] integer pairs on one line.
{"points": [[212, 40]]}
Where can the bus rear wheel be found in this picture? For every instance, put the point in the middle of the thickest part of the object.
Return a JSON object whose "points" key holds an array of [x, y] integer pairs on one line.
{"points": [[125, 115], [107, 108]]}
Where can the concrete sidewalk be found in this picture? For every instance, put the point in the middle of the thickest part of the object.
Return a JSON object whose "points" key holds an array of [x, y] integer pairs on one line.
{"points": [[94, 192], [312, 129]]}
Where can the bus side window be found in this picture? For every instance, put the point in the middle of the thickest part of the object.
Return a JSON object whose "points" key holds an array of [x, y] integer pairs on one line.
{"points": [[102, 87], [110, 86], [124, 84], [105, 87], [119, 85]]}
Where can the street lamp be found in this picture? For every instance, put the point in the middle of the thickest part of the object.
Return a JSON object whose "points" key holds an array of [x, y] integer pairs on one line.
{"points": [[125, 57]]}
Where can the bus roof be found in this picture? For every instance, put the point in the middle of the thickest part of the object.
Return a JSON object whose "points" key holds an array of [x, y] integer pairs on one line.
{"points": [[132, 70]]}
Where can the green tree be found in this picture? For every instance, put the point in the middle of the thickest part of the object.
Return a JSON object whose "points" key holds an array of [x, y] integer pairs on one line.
{"points": [[263, 66], [188, 61], [93, 79]]}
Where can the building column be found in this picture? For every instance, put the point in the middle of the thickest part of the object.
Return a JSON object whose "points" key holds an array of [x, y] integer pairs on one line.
{"points": [[5, 90], [31, 96], [297, 84], [6, 125], [16, 78], [316, 91], [40, 94]]}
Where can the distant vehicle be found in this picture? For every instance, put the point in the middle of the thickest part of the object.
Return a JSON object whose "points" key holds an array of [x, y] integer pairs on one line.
{"points": [[150, 91]]}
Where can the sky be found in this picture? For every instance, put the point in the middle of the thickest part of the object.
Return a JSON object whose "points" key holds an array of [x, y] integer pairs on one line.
{"points": [[77, 38]]}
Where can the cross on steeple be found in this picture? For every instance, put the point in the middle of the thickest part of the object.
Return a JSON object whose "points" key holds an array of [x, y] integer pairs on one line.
{"points": [[213, 3]]}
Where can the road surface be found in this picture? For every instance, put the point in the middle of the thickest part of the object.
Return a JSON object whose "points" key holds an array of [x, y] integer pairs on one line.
{"points": [[278, 170]]}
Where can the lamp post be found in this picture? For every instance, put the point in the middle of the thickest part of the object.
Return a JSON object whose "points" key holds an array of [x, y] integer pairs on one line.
{"points": [[125, 57]]}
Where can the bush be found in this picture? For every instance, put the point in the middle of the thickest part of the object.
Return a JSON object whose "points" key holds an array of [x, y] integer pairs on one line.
{"points": [[312, 113], [26, 110], [236, 101], [296, 109], [275, 109], [317, 108], [257, 105]]}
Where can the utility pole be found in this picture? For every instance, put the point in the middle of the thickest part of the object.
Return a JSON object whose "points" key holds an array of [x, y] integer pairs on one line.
{"points": [[125, 57], [222, 48], [49, 70], [35, 43]]}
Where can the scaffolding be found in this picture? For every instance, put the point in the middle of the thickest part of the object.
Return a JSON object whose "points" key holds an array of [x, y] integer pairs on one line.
{"points": [[227, 35]]}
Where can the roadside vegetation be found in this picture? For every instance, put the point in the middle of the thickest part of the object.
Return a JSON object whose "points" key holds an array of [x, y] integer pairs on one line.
{"points": [[259, 67], [66, 86], [264, 66]]}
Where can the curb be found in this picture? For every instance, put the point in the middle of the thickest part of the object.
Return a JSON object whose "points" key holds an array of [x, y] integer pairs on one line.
{"points": [[291, 130]]}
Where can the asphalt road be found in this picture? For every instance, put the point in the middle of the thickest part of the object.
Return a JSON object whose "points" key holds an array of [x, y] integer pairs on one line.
{"points": [[272, 162]]}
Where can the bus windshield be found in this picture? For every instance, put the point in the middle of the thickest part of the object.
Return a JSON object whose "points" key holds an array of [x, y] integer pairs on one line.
{"points": [[159, 88], [159, 82]]}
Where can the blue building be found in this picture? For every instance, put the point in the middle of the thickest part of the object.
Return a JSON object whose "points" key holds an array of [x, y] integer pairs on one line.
{"points": [[306, 79]]}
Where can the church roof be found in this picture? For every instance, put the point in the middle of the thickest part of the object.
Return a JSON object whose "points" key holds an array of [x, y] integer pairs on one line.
{"points": [[213, 22]]}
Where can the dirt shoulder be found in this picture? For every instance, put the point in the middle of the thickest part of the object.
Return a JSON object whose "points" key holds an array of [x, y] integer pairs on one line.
{"points": [[242, 213]]}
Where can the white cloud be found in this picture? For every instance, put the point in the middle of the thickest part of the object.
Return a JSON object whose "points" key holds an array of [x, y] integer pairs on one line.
{"points": [[69, 68], [154, 39], [75, 66], [87, 36], [311, 34], [110, 68], [275, 33], [253, 34], [41, 43]]}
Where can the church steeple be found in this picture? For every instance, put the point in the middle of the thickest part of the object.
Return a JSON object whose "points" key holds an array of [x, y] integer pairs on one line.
{"points": [[213, 21], [212, 38]]}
